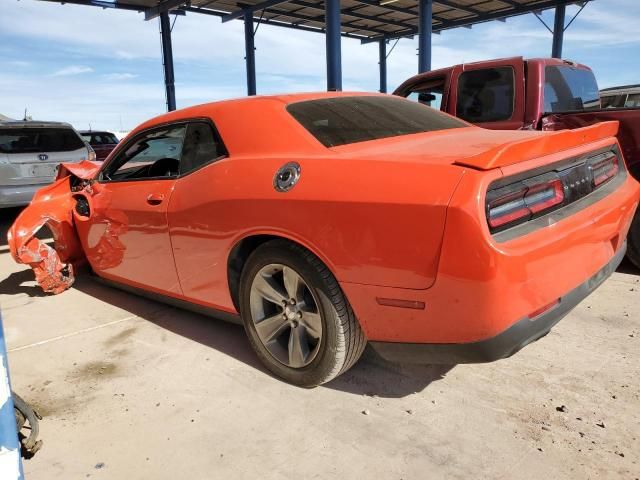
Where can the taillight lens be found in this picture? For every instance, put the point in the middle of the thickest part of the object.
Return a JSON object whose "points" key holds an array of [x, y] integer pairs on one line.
{"points": [[92, 153], [603, 169], [518, 202]]}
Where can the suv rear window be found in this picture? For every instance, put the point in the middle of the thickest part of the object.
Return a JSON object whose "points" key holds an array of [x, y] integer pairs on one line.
{"points": [[344, 120], [568, 88], [30, 140]]}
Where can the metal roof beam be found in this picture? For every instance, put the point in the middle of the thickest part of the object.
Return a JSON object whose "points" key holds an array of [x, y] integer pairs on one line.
{"points": [[253, 8], [351, 13], [272, 21], [393, 8], [486, 17], [166, 6], [462, 8], [101, 4], [320, 19]]}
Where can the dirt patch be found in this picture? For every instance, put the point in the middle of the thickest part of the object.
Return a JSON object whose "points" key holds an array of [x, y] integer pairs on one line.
{"points": [[94, 371], [120, 337]]}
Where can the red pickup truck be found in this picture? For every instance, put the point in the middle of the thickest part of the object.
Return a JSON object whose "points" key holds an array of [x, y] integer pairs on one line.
{"points": [[534, 94]]}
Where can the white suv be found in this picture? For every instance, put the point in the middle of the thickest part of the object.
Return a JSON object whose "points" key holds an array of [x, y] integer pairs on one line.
{"points": [[30, 153]]}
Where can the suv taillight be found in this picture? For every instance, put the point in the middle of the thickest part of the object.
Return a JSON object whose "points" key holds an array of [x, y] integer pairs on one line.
{"points": [[91, 153], [518, 202]]}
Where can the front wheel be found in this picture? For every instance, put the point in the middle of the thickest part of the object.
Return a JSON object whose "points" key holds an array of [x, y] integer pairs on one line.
{"points": [[296, 316]]}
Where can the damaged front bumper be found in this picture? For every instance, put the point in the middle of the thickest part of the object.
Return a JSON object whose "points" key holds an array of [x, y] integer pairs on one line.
{"points": [[52, 208]]}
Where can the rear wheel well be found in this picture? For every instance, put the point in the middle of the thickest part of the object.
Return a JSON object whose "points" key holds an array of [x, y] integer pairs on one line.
{"points": [[238, 258]]}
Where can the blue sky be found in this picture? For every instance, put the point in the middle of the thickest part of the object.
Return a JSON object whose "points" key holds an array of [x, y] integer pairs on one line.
{"points": [[88, 65]]}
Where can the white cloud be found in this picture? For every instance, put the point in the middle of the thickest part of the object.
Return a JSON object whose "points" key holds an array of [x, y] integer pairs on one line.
{"points": [[72, 70], [120, 76]]}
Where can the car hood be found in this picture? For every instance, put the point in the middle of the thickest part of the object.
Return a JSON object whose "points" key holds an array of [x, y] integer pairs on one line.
{"points": [[476, 147]]}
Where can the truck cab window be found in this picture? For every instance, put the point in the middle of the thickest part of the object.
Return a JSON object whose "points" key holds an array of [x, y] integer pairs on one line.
{"points": [[486, 95], [429, 94]]}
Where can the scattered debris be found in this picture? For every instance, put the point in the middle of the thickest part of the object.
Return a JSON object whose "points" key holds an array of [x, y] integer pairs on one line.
{"points": [[99, 465], [410, 412], [619, 454], [365, 412], [581, 434], [540, 449], [601, 425], [562, 408], [544, 427]]}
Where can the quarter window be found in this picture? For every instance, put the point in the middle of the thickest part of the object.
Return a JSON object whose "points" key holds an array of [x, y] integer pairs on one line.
{"points": [[201, 146], [486, 95]]}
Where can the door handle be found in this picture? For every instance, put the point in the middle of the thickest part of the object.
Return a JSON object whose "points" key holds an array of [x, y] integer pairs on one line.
{"points": [[155, 199]]}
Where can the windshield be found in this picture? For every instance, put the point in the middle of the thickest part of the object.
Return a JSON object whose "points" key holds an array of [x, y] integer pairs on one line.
{"points": [[30, 140], [567, 88], [343, 120]]}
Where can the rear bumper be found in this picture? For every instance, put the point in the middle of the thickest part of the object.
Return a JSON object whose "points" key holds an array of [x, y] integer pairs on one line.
{"points": [[504, 344], [17, 195]]}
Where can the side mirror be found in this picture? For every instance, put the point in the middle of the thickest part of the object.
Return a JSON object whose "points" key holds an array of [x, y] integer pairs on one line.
{"points": [[426, 98]]}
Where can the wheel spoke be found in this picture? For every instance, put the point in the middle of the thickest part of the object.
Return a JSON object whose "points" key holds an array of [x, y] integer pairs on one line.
{"points": [[268, 290], [313, 323], [292, 283], [298, 347], [271, 327]]}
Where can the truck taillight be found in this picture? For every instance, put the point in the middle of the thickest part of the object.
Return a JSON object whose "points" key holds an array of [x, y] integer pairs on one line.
{"points": [[603, 169], [518, 202]]}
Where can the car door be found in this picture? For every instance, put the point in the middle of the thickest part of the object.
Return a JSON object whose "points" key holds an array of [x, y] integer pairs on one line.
{"points": [[199, 216], [126, 235]]}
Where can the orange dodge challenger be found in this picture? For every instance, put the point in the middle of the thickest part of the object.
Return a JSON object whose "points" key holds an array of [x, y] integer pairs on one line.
{"points": [[326, 221]]}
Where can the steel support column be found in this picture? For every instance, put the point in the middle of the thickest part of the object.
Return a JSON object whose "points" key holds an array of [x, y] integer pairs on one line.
{"points": [[383, 65], [167, 61], [250, 52], [424, 39], [334, 55], [558, 32]]}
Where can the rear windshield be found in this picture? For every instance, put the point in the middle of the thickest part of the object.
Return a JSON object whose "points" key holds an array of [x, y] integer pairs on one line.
{"points": [[568, 88], [344, 120], [30, 140]]}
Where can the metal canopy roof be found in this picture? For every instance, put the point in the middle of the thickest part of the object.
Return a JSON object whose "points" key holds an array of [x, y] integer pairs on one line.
{"points": [[367, 20]]}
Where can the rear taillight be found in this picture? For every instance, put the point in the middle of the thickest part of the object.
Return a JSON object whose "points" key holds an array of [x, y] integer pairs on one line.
{"points": [[603, 168], [91, 153], [518, 202]]}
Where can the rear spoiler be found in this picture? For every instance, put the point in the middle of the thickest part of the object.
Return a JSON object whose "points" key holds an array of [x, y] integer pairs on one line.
{"points": [[536, 146]]}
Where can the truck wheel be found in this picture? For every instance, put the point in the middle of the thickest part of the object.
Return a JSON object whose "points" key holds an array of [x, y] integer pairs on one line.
{"points": [[633, 241], [296, 316]]}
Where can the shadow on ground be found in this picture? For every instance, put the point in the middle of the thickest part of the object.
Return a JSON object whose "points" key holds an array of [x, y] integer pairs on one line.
{"points": [[15, 284], [627, 267], [370, 376], [7, 217]]}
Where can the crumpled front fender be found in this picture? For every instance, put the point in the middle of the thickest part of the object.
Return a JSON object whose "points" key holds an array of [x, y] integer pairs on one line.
{"points": [[52, 206]]}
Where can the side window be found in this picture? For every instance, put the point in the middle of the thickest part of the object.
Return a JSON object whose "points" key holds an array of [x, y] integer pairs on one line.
{"points": [[201, 146], [430, 96], [633, 100], [486, 95], [155, 154]]}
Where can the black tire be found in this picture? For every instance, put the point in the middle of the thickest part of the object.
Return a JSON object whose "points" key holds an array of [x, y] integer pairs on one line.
{"points": [[342, 341], [633, 241]]}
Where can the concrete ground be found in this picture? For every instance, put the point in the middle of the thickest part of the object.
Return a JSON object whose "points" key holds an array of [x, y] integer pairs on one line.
{"points": [[132, 389]]}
